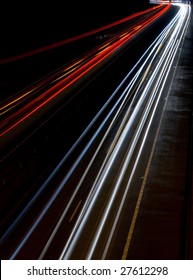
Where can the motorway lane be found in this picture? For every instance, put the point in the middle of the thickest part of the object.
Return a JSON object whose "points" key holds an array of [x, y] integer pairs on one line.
{"points": [[105, 221], [163, 229], [44, 151], [75, 208]]}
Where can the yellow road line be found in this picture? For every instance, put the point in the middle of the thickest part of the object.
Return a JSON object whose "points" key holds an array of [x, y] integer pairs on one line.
{"points": [[138, 204], [73, 214]]}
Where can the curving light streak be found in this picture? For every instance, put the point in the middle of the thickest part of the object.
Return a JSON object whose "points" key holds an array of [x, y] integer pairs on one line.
{"points": [[157, 80], [176, 26], [172, 35], [73, 168]]}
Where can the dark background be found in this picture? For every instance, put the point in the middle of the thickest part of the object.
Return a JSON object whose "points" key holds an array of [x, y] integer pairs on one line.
{"points": [[31, 24]]}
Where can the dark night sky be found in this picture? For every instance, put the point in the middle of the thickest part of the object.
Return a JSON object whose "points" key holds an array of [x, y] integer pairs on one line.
{"points": [[33, 24]]}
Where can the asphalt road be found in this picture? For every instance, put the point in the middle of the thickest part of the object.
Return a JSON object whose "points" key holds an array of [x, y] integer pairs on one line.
{"points": [[156, 204]]}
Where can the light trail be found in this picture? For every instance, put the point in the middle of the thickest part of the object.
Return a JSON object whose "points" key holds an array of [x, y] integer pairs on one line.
{"points": [[75, 38], [58, 191], [80, 69], [155, 76], [157, 81]]}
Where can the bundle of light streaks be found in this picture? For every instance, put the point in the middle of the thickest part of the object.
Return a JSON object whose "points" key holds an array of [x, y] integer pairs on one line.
{"points": [[22, 107], [165, 47]]}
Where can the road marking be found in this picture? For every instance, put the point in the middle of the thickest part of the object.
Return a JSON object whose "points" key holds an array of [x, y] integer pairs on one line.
{"points": [[138, 204]]}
